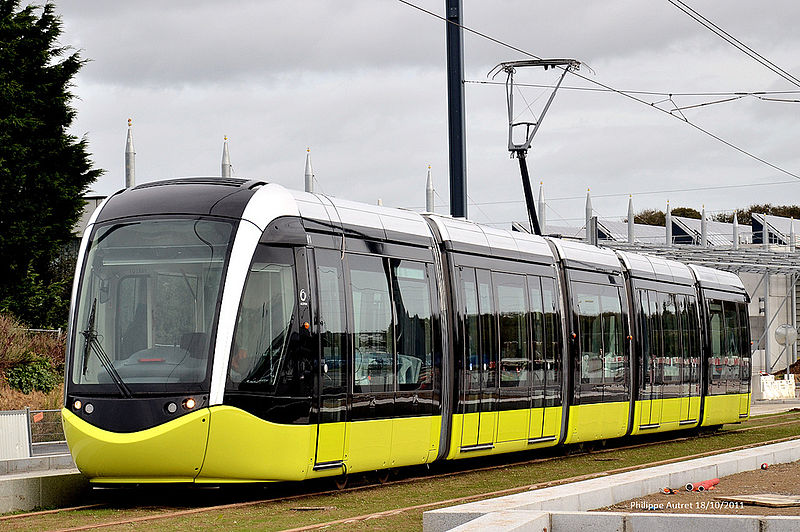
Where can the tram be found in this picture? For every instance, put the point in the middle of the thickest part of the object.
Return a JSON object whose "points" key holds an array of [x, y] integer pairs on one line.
{"points": [[225, 331]]}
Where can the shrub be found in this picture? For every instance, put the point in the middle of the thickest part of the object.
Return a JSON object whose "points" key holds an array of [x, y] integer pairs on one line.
{"points": [[37, 374], [20, 346]]}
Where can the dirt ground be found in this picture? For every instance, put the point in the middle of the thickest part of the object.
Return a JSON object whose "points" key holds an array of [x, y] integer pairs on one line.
{"points": [[783, 479]]}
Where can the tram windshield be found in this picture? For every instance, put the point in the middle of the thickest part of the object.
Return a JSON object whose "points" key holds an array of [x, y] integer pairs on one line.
{"points": [[147, 303]]}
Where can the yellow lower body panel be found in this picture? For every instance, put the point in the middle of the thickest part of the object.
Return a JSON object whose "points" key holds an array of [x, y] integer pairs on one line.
{"points": [[598, 421], [662, 415], [224, 444], [517, 430], [172, 452], [245, 448], [719, 409]]}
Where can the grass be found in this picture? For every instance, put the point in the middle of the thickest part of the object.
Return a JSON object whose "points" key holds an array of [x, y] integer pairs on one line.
{"points": [[284, 514]]}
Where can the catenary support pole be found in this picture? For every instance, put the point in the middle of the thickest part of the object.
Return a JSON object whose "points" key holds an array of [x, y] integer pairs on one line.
{"points": [[455, 109]]}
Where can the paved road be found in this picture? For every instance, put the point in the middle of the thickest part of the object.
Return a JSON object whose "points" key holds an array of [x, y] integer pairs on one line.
{"points": [[772, 407]]}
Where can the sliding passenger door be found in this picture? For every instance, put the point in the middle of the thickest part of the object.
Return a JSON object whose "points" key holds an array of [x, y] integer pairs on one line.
{"points": [[332, 387]]}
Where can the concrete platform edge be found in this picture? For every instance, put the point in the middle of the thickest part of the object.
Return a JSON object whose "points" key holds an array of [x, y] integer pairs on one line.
{"points": [[565, 507]]}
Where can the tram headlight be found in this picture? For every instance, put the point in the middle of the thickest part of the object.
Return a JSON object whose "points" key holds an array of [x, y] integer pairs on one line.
{"points": [[189, 403], [172, 407], [77, 405], [88, 408]]}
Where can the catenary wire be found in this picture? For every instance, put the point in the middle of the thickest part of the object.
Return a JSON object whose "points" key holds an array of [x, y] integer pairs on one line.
{"points": [[727, 37], [611, 89]]}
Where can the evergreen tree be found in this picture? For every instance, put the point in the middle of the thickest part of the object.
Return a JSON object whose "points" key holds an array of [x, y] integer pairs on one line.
{"points": [[44, 171]]}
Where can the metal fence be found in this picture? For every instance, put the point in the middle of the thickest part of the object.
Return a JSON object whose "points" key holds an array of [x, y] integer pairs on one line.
{"points": [[26, 433]]}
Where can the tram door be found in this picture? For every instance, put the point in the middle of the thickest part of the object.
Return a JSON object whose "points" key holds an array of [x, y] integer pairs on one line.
{"points": [[332, 379], [479, 398]]}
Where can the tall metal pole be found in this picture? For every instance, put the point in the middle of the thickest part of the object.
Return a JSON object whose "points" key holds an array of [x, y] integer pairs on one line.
{"points": [[455, 109], [767, 319]]}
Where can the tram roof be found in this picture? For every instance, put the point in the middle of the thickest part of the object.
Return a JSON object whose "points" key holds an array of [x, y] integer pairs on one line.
{"points": [[586, 257], [466, 236], [191, 195], [717, 279], [656, 268], [361, 219]]}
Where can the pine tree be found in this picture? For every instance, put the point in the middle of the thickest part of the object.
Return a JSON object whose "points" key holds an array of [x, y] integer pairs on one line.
{"points": [[44, 171]]}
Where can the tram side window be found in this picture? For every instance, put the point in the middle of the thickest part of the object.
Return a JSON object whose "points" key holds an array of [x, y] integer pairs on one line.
{"points": [[488, 326], [471, 369], [670, 362], [602, 367], [552, 343], [539, 368], [744, 349], [330, 282], [694, 346], [717, 385], [729, 360], [513, 332], [373, 326], [414, 326], [260, 358], [650, 342]]}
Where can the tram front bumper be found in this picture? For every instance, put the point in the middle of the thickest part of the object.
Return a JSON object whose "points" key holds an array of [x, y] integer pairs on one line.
{"points": [[172, 452]]}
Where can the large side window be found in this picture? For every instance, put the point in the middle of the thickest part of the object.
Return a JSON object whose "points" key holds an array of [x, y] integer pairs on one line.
{"points": [[332, 331], [513, 330], [602, 358], [472, 369], [731, 348], [671, 361], [414, 327], [716, 381], [260, 359], [373, 327], [539, 368], [488, 349], [695, 348]]}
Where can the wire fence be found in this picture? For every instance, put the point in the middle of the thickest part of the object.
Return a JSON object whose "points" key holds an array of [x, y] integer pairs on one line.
{"points": [[45, 427]]}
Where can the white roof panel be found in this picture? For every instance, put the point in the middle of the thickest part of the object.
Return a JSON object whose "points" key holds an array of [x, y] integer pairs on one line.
{"points": [[584, 256]]}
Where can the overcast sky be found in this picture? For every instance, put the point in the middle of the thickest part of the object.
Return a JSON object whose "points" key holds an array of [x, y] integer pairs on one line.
{"points": [[363, 84]]}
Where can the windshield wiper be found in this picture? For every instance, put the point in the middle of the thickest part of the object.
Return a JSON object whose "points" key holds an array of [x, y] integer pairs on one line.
{"points": [[93, 344]]}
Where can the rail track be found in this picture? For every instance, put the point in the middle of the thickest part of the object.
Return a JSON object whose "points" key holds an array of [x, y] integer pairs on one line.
{"points": [[456, 469]]}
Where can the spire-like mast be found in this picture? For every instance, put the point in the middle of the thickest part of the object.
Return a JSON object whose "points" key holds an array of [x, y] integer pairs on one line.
{"points": [[429, 191], [309, 174], [227, 169], [130, 158], [630, 219]]}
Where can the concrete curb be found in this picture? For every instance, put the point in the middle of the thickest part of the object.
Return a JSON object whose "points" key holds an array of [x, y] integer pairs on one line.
{"points": [[26, 491], [562, 508], [14, 466]]}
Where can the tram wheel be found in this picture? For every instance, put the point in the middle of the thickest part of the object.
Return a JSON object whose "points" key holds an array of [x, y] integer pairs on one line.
{"points": [[383, 475]]}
